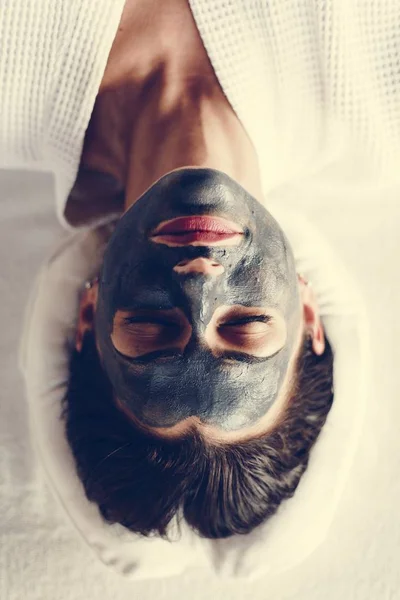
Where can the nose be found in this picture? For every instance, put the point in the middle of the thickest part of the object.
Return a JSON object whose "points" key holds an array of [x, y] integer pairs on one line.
{"points": [[205, 266]]}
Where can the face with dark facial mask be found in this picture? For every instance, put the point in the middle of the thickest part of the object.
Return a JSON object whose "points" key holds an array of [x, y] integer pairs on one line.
{"points": [[179, 342]]}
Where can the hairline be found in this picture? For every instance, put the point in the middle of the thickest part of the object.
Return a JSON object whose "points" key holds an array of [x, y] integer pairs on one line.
{"points": [[290, 385]]}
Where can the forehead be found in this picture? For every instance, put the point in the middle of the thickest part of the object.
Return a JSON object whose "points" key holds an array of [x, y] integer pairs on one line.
{"points": [[217, 392], [229, 396]]}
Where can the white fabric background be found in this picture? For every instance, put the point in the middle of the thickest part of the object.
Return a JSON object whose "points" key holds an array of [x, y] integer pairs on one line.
{"points": [[300, 524], [41, 556]]}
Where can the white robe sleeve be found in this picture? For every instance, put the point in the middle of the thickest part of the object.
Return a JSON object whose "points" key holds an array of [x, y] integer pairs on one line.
{"points": [[53, 55]]}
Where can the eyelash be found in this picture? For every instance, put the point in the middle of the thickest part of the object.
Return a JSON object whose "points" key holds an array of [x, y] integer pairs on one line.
{"points": [[250, 319], [242, 321], [150, 321]]}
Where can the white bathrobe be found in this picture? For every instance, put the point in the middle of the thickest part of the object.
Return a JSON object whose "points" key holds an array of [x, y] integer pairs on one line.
{"points": [[316, 86]]}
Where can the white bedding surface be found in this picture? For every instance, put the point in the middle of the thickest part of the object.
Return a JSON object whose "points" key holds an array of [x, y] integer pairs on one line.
{"points": [[41, 555]]}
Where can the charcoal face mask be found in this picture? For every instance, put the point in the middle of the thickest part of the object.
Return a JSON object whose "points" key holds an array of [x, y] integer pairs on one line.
{"points": [[137, 272]]}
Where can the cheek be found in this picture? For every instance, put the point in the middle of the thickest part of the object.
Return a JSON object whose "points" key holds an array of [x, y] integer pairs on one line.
{"points": [[294, 307], [255, 283]]}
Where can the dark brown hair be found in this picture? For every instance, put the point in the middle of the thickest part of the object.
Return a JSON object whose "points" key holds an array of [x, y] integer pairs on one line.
{"points": [[142, 481]]}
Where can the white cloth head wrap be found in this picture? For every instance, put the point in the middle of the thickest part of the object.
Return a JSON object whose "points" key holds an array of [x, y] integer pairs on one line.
{"points": [[302, 522]]}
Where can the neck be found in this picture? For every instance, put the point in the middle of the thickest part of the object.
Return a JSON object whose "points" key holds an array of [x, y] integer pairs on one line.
{"points": [[159, 109], [184, 125]]}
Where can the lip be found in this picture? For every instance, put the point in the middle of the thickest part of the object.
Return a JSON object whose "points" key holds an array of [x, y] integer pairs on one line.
{"points": [[205, 237], [202, 224], [202, 230]]}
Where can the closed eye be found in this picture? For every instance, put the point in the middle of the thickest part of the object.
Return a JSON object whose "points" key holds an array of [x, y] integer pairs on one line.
{"points": [[246, 320], [150, 321], [244, 328], [151, 329], [135, 335]]}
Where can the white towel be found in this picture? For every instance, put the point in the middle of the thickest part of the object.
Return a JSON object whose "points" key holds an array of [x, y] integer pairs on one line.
{"points": [[301, 522], [313, 83]]}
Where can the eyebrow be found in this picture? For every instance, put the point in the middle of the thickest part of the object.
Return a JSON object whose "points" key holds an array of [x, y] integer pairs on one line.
{"points": [[242, 357], [147, 306]]}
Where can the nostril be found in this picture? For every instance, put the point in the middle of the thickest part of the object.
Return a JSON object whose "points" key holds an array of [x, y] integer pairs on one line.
{"points": [[199, 265]]}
